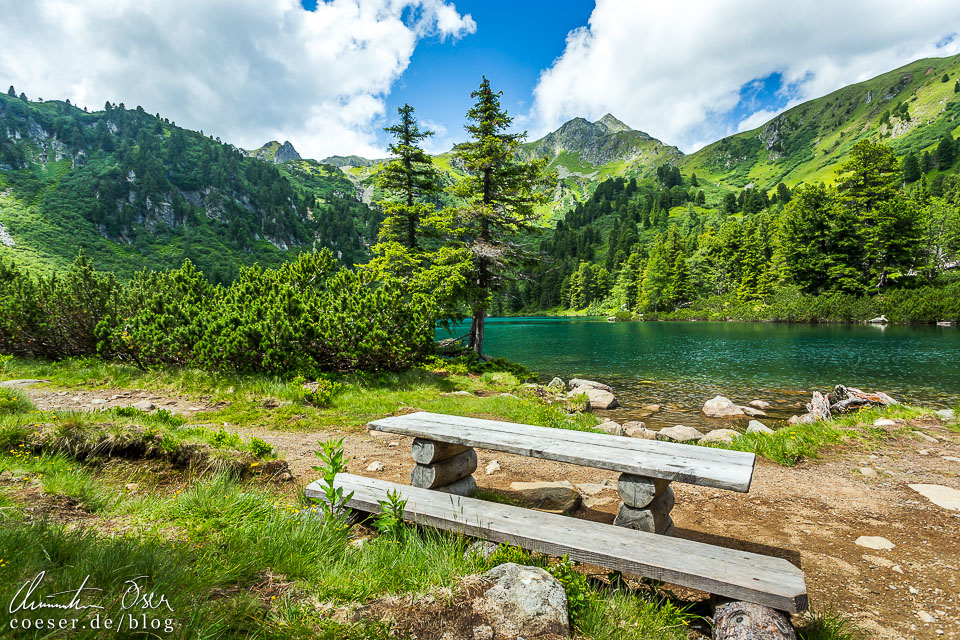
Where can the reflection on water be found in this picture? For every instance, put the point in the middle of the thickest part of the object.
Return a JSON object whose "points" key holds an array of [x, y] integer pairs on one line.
{"points": [[680, 365]]}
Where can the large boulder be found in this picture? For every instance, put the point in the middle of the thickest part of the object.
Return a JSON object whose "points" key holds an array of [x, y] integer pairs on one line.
{"points": [[592, 384], [946, 414], [596, 398], [523, 602], [679, 433], [721, 407], [721, 436], [557, 496]]}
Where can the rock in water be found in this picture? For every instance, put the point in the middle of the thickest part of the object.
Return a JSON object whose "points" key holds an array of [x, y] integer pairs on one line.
{"points": [[725, 436], [750, 621], [596, 398], [753, 413], [679, 433], [550, 496], [637, 429], [760, 404], [592, 384], [610, 428], [755, 426], [721, 407], [939, 495], [524, 602]]}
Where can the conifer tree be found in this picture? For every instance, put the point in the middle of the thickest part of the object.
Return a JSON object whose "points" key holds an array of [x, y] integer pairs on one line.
{"points": [[956, 86], [656, 277], [411, 179], [680, 289], [945, 152], [11, 91], [500, 199], [911, 168]]}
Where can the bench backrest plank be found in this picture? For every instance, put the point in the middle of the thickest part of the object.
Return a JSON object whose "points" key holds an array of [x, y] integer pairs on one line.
{"points": [[718, 468], [740, 575]]}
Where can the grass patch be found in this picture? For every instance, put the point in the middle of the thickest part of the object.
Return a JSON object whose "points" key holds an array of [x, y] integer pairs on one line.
{"points": [[792, 443]]}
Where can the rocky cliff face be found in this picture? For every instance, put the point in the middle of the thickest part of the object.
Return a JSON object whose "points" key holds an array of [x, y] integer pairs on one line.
{"points": [[274, 152]]}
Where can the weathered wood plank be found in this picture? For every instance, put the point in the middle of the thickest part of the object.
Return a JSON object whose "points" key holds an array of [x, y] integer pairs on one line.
{"points": [[740, 575], [717, 468]]}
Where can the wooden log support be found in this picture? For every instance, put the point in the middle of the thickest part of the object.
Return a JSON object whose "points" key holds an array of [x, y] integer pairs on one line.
{"points": [[444, 472], [739, 620], [654, 518], [466, 487], [639, 491], [429, 451]]}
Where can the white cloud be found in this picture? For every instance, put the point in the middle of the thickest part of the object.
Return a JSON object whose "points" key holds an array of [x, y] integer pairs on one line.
{"points": [[246, 70], [675, 71]]}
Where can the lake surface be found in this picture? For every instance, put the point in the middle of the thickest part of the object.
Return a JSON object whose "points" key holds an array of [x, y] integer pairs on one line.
{"points": [[679, 365]]}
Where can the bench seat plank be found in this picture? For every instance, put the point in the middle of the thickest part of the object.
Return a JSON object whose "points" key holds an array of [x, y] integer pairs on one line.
{"points": [[740, 575], [709, 467]]}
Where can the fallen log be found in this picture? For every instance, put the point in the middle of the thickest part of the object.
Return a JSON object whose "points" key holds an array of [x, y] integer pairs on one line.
{"points": [[844, 399]]}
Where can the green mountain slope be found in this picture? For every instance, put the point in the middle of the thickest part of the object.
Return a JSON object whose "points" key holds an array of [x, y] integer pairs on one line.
{"points": [[133, 190], [807, 142]]}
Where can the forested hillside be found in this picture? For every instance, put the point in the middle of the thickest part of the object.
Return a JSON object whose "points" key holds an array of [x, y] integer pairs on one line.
{"points": [[134, 190]]}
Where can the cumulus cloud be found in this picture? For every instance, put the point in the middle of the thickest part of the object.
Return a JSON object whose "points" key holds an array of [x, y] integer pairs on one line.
{"points": [[677, 72], [248, 71]]}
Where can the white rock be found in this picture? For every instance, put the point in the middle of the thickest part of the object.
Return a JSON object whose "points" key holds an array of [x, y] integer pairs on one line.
{"points": [[725, 436], [556, 383], [755, 426], [759, 404], [867, 472], [753, 413], [590, 384], [98, 401], [592, 488], [679, 433], [144, 405], [596, 398], [637, 429], [924, 436], [592, 502], [925, 617], [945, 497], [946, 414], [492, 467], [721, 407], [376, 466], [524, 601], [884, 422], [876, 543], [610, 427]]}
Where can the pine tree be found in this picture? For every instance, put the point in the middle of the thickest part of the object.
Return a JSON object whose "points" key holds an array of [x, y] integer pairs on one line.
{"points": [[410, 179], [926, 162], [945, 78], [945, 152], [680, 289], [499, 197], [693, 180], [911, 168], [805, 237], [656, 278], [11, 91], [956, 86]]}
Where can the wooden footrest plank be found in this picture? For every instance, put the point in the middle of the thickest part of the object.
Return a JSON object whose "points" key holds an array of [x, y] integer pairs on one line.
{"points": [[739, 575]]}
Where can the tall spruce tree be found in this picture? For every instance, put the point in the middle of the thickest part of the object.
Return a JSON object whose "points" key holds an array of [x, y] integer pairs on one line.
{"points": [[911, 168], [945, 152], [411, 179], [500, 199]]}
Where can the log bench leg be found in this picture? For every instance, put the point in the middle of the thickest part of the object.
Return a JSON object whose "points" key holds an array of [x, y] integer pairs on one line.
{"points": [[646, 504], [443, 467]]}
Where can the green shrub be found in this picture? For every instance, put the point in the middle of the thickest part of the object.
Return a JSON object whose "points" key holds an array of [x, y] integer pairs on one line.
{"points": [[13, 402], [259, 448], [321, 392], [226, 440]]}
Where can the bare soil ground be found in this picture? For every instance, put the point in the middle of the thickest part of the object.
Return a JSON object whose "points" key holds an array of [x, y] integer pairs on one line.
{"points": [[810, 514]]}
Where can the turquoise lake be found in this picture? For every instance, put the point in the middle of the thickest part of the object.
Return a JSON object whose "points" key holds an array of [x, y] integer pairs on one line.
{"points": [[679, 365]]}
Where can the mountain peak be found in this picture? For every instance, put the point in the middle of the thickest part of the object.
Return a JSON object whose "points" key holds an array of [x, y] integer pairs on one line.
{"points": [[612, 124], [275, 152]]}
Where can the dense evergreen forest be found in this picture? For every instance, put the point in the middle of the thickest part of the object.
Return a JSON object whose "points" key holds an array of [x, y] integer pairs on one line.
{"points": [[660, 249], [134, 190]]}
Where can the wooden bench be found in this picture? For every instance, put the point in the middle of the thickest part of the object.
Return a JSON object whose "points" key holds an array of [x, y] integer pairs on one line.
{"points": [[445, 460], [739, 575]]}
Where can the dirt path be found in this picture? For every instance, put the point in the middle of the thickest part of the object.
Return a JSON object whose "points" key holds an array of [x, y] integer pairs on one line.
{"points": [[810, 514]]}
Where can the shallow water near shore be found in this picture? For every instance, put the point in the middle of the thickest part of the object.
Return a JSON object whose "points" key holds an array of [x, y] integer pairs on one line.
{"points": [[679, 365]]}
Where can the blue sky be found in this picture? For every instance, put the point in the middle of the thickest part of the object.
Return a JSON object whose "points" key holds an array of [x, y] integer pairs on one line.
{"points": [[330, 78]]}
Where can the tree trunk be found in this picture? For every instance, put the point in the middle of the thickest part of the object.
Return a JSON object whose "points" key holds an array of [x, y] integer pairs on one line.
{"points": [[748, 621], [475, 341]]}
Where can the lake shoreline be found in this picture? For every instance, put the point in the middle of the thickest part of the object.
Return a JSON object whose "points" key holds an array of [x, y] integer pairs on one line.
{"points": [[944, 324]]}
